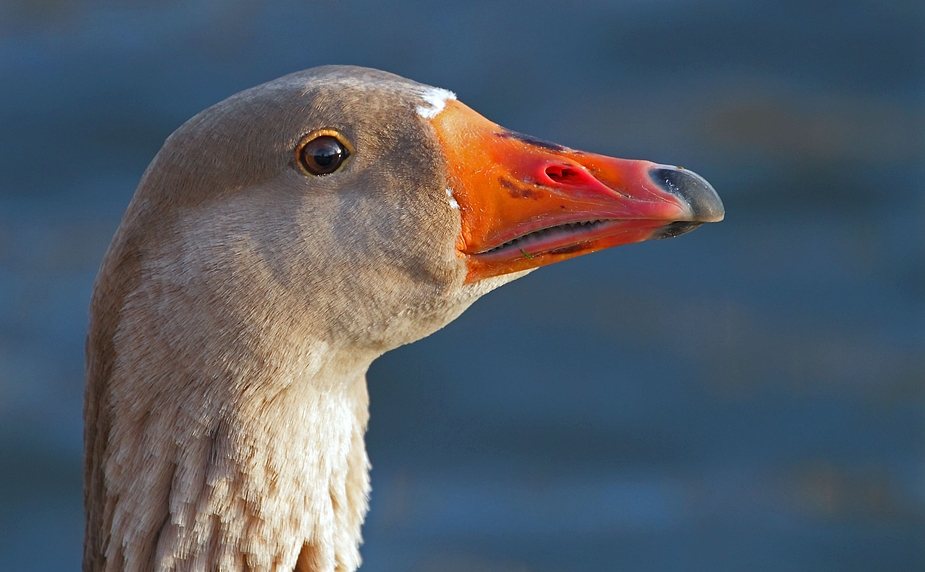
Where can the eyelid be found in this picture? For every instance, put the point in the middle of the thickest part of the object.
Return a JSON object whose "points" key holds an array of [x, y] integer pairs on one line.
{"points": [[325, 131]]}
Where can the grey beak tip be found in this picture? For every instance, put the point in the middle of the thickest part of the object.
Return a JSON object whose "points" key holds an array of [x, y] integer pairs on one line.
{"points": [[706, 206]]}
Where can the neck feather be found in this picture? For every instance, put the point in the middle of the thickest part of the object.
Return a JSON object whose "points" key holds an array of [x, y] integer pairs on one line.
{"points": [[209, 449]]}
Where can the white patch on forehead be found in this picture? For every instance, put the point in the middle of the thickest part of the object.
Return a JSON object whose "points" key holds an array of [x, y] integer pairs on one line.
{"points": [[453, 203], [435, 100]]}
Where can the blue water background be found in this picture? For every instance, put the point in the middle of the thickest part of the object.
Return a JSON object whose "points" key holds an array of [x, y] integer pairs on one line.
{"points": [[747, 397]]}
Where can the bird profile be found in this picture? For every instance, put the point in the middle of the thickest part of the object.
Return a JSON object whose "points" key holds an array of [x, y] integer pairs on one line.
{"points": [[278, 243]]}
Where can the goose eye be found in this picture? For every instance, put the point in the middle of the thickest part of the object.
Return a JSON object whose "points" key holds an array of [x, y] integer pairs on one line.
{"points": [[322, 154]]}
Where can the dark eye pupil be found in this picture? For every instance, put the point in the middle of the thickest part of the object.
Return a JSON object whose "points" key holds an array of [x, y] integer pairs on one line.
{"points": [[323, 155]]}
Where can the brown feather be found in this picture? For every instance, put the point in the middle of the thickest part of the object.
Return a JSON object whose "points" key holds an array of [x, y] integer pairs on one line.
{"points": [[235, 315]]}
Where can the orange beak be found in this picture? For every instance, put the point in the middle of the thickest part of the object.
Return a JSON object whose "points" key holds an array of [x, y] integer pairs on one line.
{"points": [[526, 203]]}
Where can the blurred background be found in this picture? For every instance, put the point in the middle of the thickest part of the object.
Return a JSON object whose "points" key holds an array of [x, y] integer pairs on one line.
{"points": [[747, 397]]}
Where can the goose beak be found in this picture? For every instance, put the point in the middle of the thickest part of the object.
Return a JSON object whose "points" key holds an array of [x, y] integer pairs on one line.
{"points": [[525, 203]]}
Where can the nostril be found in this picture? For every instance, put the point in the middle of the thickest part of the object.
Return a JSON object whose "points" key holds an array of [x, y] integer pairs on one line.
{"points": [[563, 174]]}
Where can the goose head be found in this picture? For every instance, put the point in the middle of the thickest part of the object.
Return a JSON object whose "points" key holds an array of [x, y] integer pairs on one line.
{"points": [[277, 244]]}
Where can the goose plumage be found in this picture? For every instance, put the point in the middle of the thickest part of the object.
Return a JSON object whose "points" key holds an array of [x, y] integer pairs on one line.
{"points": [[245, 295]]}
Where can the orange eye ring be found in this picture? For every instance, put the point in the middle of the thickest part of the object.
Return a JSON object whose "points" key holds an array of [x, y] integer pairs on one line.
{"points": [[322, 152]]}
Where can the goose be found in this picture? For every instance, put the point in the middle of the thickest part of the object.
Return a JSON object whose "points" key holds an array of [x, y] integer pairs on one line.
{"points": [[277, 244]]}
